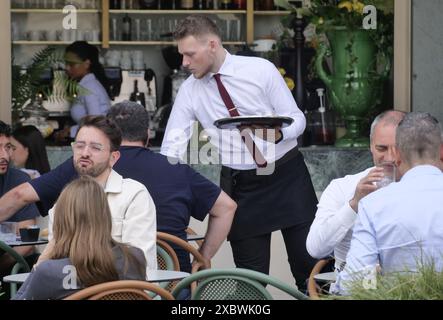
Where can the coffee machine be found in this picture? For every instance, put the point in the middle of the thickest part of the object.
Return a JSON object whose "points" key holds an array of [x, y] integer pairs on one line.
{"points": [[142, 81]]}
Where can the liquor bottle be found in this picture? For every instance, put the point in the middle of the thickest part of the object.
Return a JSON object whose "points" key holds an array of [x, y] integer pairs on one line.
{"points": [[126, 33], [114, 4], [187, 4], [240, 4], [200, 4], [136, 96], [148, 4], [226, 4]]}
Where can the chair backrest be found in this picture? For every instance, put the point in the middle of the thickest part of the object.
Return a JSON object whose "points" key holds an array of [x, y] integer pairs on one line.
{"points": [[166, 257], [20, 266], [200, 262], [192, 232], [313, 289], [234, 284], [122, 290]]}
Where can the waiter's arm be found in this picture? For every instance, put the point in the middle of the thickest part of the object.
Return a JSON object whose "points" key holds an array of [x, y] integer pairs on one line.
{"points": [[179, 127], [16, 199]]}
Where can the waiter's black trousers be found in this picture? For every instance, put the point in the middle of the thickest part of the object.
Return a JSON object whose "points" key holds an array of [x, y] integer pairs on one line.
{"points": [[284, 200]]}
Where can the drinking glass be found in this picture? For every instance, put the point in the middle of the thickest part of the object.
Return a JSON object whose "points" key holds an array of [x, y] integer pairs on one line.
{"points": [[389, 171]]}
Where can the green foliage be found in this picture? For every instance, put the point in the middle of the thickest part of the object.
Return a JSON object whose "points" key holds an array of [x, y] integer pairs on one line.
{"points": [[25, 85], [425, 284]]}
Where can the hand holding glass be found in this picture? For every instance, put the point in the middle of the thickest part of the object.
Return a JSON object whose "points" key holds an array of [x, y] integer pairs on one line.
{"points": [[389, 171]]}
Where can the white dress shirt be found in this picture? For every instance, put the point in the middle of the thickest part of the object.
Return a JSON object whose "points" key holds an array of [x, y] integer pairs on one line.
{"points": [[331, 230], [133, 213], [256, 88], [398, 227]]}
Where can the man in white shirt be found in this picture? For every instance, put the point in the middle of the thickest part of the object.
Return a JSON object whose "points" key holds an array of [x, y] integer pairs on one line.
{"points": [[133, 212], [399, 227], [337, 210], [268, 178]]}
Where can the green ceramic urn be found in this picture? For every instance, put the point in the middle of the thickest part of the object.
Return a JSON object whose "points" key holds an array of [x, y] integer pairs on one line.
{"points": [[355, 86]]}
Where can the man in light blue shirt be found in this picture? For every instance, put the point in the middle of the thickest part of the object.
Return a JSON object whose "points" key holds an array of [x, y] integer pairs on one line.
{"points": [[400, 226]]}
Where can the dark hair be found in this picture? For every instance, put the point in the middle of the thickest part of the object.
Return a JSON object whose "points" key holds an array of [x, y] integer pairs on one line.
{"points": [[105, 125], [197, 26], [85, 51], [31, 138], [133, 120], [5, 129]]}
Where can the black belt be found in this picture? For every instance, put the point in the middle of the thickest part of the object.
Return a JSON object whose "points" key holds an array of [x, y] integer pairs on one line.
{"points": [[291, 154]]}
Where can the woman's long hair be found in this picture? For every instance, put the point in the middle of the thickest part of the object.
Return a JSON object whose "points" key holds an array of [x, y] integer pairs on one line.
{"points": [[31, 138], [82, 232], [86, 51]]}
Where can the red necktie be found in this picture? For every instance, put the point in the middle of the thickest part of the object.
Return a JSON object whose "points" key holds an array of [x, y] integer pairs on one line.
{"points": [[246, 137]]}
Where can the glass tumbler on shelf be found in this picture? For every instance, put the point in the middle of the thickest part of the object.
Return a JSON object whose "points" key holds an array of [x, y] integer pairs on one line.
{"points": [[137, 30]]}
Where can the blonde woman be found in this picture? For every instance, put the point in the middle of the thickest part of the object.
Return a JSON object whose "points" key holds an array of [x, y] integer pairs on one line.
{"points": [[82, 252]]}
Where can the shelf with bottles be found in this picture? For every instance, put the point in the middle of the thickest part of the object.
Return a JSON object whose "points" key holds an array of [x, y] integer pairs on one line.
{"points": [[158, 29], [57, 11], [271, 12], [184, 12], [163, 43], [49, 43]]}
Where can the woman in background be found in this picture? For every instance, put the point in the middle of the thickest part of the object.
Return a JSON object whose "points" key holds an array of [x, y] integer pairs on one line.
{"points": [[82, 64], [29, 151], [82, 252]]}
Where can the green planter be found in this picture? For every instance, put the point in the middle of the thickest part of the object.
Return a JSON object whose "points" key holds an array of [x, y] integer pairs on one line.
{"points": [[354, 87]]}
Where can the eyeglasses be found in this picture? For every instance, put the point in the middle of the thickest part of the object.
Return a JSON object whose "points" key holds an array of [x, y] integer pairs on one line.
{"points": [[7, 147], [79, 146]]}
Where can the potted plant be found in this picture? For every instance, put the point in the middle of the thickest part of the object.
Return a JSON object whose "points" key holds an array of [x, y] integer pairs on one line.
{"points": [[28, 89], [358, 36]]}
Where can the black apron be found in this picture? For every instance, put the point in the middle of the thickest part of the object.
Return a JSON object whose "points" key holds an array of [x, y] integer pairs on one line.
{"points": [[267, 203]]}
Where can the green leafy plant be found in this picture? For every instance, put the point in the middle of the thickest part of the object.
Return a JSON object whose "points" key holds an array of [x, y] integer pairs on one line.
{"points": [[424, 284], [27, 84]]}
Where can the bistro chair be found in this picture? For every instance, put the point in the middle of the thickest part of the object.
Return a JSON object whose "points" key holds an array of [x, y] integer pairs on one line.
{"points": [[122, 290], [166, 257], [167, 260], [199, 262], [20, 266], [190, 231], [314, 289], [234, 284]]}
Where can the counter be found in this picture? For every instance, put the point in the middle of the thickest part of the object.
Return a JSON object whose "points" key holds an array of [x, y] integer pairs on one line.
{"points": [[324, 163]]}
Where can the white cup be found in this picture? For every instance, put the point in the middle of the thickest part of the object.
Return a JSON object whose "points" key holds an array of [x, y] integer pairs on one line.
{"points": [[80, 35], [51, 35], [95, 35], [34, 35]]}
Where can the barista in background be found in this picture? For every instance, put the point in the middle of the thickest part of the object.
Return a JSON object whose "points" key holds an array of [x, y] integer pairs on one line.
{"points": [[82, 64], [29, 151]]}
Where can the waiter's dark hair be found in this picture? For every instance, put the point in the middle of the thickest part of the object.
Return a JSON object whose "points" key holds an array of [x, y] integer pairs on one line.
{"points": [[105, 125], [132, 119], [86, 51], [197, 26], [5, 129]]}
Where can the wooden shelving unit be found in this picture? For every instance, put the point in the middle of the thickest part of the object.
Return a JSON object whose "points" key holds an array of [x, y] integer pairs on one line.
{"points": [[105, 13]]}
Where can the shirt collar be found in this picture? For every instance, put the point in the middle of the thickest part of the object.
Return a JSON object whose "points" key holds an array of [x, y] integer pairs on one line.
{"points": [[114, 184], [420, 171], [226, 69]]}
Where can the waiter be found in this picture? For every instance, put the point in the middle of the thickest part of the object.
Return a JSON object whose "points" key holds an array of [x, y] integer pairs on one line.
{"points": [[263, 171]]}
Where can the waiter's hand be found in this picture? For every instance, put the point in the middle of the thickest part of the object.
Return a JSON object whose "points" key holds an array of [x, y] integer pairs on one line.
{"points": [[270, 134]]}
